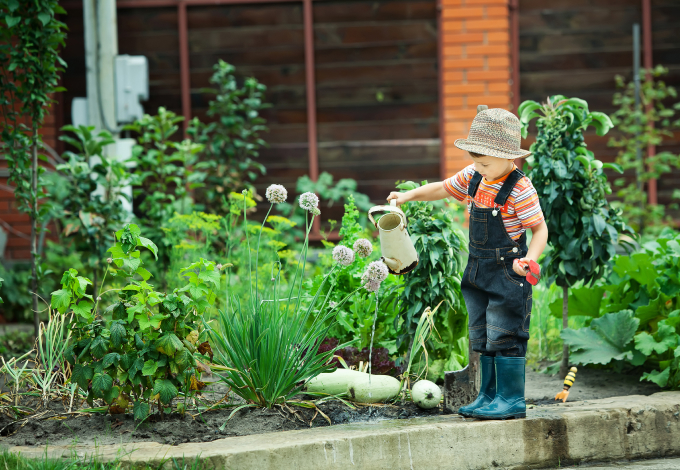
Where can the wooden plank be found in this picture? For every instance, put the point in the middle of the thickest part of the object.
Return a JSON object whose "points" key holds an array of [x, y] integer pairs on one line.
{"points": [[586, 19], [239, 16], [355, 11], [412, 129], [378, 33]]}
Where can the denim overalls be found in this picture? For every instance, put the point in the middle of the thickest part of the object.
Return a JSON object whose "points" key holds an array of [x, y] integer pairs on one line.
{"points": [[497, 299]]}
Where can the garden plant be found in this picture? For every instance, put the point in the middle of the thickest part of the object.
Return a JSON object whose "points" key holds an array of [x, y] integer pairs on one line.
{"points": [[29, 59], [583, 228]]}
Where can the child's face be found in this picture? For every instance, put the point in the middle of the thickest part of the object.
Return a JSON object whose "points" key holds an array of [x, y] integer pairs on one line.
{"points": [[492, 168]]}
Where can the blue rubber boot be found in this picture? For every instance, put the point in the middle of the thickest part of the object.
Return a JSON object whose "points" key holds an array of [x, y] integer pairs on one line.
{"points": [[509, 401], [487, 391]]}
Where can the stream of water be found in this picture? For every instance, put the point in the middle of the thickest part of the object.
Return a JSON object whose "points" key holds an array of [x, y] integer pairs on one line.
{"points": [[370, 348]]}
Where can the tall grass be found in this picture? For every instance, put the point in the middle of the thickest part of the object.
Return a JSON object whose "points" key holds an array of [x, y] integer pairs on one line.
{"points": [[267, 344]]}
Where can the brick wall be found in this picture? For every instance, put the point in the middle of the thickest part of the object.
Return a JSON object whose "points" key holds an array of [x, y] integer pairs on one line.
{"points": [[17, 225], [476, 67]]}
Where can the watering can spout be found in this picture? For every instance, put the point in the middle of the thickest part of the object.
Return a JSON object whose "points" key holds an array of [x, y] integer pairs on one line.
{"points": [[391, 263]]}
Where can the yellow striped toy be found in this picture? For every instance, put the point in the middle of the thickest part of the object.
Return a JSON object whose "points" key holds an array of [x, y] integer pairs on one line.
{"points": [[568, 382]]}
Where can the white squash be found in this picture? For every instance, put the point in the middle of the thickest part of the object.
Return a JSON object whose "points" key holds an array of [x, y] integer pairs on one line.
{"points": [[381, 388], [333, 383], [426, 394]]}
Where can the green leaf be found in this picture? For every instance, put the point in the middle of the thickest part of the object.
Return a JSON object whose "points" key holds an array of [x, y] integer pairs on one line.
{"points": [[638, 266], [60, 300], [165, 389], [665, 338], [210, 276], [111, 394], [584, 301], [140, 410], [184, 359], [150, 368], [659, 378], [601, 122], [12, 5], [84, 309], [613, 166], [12, 20], [146, 275], [118, 334], [99, 347], [604, 340], [168, 344], [599, 223], [146, 243], [101, 383], [44, 18], [81, 374], [111, 358], [154, 322]]}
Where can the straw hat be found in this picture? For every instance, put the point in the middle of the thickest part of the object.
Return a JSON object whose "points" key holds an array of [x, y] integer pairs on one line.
{"points": [[494, 132]]}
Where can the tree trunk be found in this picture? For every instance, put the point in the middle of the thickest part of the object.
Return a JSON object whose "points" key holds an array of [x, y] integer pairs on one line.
{"points": [[34, 234], [564, 367]]}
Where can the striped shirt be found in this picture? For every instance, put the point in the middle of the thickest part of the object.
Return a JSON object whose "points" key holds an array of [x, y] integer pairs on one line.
{"points": [[521, 211]]}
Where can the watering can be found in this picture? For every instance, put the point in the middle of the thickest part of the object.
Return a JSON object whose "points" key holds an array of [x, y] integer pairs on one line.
{"points": [[398, 252]]}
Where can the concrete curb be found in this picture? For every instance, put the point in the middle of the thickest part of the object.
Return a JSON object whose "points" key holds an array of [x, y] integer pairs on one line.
{"points": [[631, 427]]}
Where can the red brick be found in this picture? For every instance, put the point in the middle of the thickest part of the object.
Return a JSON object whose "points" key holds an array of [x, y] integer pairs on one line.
{"points": [[457, 64], [452, 76], [464, 12], [488, 50], [18, 254], [494, 62], [488, 75], [451, 3], [486, 2], [497, 11], [451, 26], [503, 87], [487, 24], [4, 205], [455, 128], [463, 89], [464, 38], [17, 242], [493, 101], [493, 37], [452, 51], [15, 217], [451, 102]]}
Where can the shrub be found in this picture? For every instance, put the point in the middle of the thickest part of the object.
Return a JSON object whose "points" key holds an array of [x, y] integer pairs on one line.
{"points": [[635, 314], [142, 349]]}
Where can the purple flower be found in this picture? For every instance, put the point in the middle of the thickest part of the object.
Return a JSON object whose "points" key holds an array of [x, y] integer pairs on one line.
{"points": [[363, 248], [343, 255], [276, 194]]}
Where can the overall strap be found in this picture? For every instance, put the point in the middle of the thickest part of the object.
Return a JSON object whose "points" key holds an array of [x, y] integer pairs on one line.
{"points": [[474, 184], [507, 187]]}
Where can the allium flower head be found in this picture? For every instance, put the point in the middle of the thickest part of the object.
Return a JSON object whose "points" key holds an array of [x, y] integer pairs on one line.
{"points": [[308, 201], [375, 274], [363, 248], [316, 211], [372, 286], [343, 255], [276, 194]]}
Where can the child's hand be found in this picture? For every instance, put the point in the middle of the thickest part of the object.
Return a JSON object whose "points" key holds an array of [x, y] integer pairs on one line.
{"points": [[521, 266], [400, 197]]}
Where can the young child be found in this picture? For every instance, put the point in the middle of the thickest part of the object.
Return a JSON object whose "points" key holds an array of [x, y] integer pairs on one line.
{"points": [[502, 204]]}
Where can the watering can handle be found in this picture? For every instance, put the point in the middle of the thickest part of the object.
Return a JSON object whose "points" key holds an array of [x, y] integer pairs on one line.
{"points": [[391, 208]]}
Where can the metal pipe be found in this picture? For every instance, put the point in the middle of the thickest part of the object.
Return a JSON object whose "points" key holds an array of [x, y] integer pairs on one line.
{"points": [[185, 79], [647, 44], [514, 52], [310, 84], [440, 84], [636, 81]]}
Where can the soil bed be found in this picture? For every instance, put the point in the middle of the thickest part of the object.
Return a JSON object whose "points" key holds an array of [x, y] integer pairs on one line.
{"points": [[176, 429]]}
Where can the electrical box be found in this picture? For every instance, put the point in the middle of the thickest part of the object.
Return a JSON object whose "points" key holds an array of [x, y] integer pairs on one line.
{"points": [[132, 86]]}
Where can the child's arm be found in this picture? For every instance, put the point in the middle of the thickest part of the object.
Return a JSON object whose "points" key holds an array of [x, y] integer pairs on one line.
{"points": [[429, 192], [538, 241]]}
